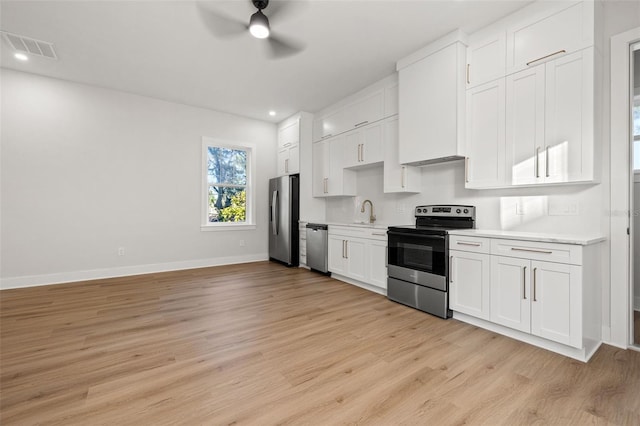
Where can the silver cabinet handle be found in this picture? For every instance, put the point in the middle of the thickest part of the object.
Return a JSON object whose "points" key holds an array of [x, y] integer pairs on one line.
{"points": [[537, 165], [346, 245], [402, 175], [381, 234], [532, 250], [362, 152], [286, 165], [534, 284], [468, 68], [546, 162], [547, 56], [343, 249], [524, 283], [325, 185], [326, 136], [361, 123], [287, 144], [462, 243], [466, 169], [450, 269]]}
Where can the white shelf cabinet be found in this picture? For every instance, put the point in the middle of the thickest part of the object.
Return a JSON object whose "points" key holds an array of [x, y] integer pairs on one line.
{"points": [[469, 283], [358, 254]]}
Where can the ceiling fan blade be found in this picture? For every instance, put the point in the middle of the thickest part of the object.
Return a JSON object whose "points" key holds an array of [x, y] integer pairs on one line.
{"points": [[220, 25], [282, 47]]}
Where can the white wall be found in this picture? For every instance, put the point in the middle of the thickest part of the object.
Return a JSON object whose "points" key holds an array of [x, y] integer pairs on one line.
{"points": [[496, 209], [86, 170]]}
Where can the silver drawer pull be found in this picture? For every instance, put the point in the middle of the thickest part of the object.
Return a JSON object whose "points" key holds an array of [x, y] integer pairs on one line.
{"points": [[361, 123], [462, 243], [326, 136], [382, 234], [531, 250], [548, 56]]}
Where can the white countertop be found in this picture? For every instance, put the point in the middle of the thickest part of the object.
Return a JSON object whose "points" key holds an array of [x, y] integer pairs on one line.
{"points": [[582, 240]]}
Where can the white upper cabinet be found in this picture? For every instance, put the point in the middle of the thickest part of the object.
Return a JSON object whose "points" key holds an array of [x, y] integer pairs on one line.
{"points": [[289, 146], [550, 122], [546, 36], [486, 59], [485, 162], [365, 107], [329, 175], [397, 177], [431, 100], [363, 146]]}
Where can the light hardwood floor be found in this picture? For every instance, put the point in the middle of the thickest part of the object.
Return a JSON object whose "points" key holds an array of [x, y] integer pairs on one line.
{"points": [[262, 344]]}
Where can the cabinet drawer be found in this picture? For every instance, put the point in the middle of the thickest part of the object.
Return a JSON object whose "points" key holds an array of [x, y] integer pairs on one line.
{"points": [[358, 232], [549, 252], [472, 244]]}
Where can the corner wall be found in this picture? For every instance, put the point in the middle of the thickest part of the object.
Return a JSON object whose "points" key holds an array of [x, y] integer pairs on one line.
{"points": [[86, 170]]}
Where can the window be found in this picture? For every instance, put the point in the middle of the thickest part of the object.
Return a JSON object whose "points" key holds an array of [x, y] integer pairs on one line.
{"points": [[227, 181]]}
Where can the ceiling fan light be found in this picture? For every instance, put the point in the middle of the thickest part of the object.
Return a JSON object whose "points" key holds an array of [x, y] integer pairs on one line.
{"points": [[259, 25]]}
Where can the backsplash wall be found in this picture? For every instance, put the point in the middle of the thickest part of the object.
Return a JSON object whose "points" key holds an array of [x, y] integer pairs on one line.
{"points": [[567, 209]]}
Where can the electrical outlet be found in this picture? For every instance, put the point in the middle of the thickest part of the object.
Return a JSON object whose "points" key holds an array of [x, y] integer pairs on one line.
{"points": [[241, 243], [120, 251]]}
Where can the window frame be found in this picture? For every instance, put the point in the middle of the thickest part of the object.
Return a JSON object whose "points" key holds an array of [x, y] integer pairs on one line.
{"points": [[250, 222]]}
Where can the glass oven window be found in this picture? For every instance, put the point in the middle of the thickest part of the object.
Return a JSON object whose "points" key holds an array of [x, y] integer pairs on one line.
{"points": [[418, 252]]}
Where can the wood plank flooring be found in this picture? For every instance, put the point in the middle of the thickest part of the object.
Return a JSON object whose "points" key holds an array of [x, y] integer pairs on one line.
{"points": [[261, 344]]}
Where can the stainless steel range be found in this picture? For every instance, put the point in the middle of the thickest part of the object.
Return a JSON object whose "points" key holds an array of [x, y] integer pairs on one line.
{"points": [[418, 269]]}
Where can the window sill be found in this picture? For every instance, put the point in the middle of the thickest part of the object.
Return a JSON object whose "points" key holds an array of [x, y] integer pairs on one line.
{"points": [[229, 227]]}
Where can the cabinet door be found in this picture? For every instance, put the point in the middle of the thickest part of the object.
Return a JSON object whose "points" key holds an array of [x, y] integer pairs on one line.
{"points": [[486, 135], [397, 178], [569, 118], [336, 256], [556, 302], [371, 150], [293, 165], [350, 151], [469, 283], [289, 134], [340, 181], [378, 263], [486, 60], [320, 168], [391, 100], [356, 259], [525, 92], [510, 288], [333, 124], [283, 160], [365, 111]]}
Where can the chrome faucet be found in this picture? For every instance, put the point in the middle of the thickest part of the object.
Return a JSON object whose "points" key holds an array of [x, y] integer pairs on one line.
{"points": [[372, 217]]}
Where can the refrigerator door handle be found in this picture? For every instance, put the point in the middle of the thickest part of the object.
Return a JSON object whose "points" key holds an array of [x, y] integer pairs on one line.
{"points": [[274, 212]]}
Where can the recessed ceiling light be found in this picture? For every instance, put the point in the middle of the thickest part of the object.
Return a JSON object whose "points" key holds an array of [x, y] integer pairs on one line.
{"points": [[272, 113], [21, 56]]}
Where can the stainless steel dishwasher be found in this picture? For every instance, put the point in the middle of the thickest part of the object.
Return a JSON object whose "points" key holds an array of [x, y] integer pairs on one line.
{"points": [[317, 247]]}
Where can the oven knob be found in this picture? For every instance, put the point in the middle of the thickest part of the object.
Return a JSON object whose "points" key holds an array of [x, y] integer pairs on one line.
{"points": [[419, 210], [466, 210], [458, 211]]}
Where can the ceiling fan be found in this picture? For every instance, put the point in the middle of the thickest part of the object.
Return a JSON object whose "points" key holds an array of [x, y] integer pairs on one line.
{"points": [[224, 26]]}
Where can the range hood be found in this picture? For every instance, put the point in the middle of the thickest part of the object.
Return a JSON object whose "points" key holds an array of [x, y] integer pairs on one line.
{"points": [[435, 160]]}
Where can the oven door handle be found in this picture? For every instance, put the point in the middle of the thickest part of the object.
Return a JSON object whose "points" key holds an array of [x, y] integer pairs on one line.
{"points": [[409, 234]]}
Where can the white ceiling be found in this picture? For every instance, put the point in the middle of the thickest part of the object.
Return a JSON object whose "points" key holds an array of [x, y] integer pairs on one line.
{"points": [[168, 50]]}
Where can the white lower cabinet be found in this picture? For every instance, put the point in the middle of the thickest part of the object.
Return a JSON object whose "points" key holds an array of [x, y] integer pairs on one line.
{"points": [[541, 298], [359, 254], [469, 283], [548, 292]]}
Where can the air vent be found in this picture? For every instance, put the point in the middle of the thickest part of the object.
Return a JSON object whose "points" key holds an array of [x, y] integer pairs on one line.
{"points": [[30, 45]]}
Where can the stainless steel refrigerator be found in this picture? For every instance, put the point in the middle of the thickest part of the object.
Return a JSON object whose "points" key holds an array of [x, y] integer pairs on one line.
{"points": [[284, 212]]}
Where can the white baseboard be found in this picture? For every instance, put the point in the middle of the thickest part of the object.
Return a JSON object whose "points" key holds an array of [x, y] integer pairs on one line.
{"points": [[123, 271]]}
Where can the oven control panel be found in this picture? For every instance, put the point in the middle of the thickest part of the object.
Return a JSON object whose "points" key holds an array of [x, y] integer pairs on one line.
{"points": [[446, 211]]}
